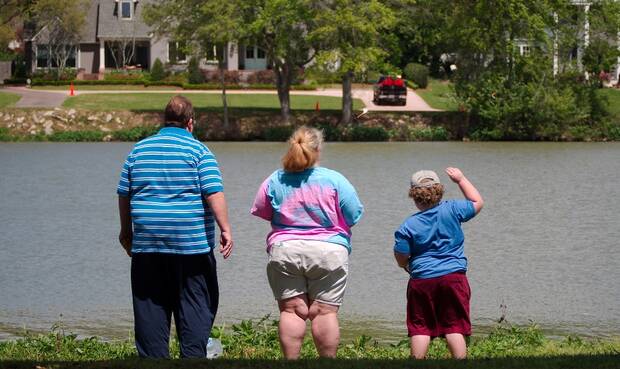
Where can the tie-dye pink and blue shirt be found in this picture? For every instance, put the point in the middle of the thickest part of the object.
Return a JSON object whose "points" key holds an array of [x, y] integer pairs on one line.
{"points": [[316, 204]]}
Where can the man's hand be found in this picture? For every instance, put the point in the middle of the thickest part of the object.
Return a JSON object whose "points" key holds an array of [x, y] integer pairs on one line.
{"points": [[455, 174], [217, 203], [226, 244], [125, 239]]}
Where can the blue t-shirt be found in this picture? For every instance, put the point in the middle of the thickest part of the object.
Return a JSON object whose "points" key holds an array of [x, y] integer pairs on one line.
{"points": [[434, 239]]}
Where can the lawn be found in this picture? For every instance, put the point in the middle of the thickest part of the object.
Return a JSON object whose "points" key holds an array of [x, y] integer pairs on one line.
{"points": [[105, 88], [8, 99], [439, 95], [613, 100], [254, 344], [202, 101]]}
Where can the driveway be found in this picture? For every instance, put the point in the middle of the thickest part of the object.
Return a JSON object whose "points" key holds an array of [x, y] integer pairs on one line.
{"points": [[37, 98]]}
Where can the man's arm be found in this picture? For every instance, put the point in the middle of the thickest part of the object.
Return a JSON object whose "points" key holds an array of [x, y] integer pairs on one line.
{"points": [[469, 191], [126, 234], [402, 260], [217, 203]]}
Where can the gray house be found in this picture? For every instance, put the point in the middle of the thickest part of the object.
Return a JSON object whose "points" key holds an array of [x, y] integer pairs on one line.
{"points": [[116, 25]]}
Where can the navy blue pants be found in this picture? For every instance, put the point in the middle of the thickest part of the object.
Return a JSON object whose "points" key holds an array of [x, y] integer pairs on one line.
{"points": [[183, 286]]}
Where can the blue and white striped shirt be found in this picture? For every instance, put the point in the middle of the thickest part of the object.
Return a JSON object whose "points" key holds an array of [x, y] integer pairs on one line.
{"points": [[166, 177]]}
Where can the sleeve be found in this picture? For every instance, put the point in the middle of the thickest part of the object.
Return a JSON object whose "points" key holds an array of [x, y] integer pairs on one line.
{"points": [[463, 210], [262, 202], [350, 204], [124, 184], [209, 174], [402, 240]]}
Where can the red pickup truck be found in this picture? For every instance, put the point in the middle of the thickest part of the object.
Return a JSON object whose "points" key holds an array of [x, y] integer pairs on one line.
{"points": [[390, 89]]}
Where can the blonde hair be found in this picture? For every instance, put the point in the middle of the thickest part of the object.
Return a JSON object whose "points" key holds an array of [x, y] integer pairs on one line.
{"points": [[303, 150], [427, 197]]}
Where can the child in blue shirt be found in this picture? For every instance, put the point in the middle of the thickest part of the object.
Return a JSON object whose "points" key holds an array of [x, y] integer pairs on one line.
{"points": [[429, 246]]}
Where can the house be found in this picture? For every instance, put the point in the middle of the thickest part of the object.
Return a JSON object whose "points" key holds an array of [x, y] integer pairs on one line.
{"points": [[115, 36]]}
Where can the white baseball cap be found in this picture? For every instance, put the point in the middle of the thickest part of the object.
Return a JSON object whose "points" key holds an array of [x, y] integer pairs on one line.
{"points": [[424, 178]]}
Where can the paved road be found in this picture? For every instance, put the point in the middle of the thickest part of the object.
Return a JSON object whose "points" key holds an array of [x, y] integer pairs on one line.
{"points": [[49, 98]]}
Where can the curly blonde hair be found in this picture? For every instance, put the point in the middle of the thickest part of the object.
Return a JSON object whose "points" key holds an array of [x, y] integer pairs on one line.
{"points": [[427, 197]]}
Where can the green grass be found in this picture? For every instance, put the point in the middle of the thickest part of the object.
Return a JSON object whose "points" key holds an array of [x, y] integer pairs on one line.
{"points": [[106, 88], [8, 99], [439, 95], [156, 102], [255, 344], [613, 100]]}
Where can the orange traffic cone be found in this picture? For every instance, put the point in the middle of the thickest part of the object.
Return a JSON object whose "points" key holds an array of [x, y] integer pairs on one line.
{"points": [[317, 107], [71, 90]]}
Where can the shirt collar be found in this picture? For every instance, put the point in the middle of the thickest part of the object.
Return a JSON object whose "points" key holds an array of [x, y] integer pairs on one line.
{"points": [[175, 131]]}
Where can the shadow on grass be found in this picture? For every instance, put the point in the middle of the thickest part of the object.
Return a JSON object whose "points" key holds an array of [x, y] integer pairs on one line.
{"points": [[563, 362]]}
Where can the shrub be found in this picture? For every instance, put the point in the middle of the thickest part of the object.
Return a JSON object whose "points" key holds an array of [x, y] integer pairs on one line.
{"points": [[360, 133], [157, 71], [417, 73], [372, 76], [135, 134], [21, 71], [77, 136], [262, 76], [232, 77], [195, 75], [428, 134], [123, 75], [55, 75], [280, 133]]}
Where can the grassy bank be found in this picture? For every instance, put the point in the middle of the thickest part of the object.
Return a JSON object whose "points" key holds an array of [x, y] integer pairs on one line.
{"points": [[439, 95], [255, 344], [209, 101], [8, 99]]}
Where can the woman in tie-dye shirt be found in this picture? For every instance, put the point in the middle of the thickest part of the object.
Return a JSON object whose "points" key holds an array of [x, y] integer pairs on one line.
{"points": [[311, 210]]}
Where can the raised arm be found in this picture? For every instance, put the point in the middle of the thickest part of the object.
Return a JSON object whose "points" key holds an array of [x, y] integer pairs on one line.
{"points": [[217, 203], [469, 191]]}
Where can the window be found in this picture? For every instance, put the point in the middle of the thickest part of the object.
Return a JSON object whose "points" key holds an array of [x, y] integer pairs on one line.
{"points": [[261, 53], [525, 50], [126, 9], [176, 53], [249, 52], [45, 61]]}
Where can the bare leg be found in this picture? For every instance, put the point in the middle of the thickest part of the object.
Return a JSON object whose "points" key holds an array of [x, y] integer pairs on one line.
{"points": [[325, 328], [419, 346], [292, 327], [457, 345]]}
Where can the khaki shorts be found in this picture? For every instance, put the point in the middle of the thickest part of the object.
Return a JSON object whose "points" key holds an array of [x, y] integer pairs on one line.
{"points": [[316, 268]]}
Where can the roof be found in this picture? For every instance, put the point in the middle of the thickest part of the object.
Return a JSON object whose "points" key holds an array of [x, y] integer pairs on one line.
{"points": [[103, 20], [112, 25]]}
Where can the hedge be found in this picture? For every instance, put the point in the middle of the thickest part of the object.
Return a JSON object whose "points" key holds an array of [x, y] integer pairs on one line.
{"points": [[186, 86]]}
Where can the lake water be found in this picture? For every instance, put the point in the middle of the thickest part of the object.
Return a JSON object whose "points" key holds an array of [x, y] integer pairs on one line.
{"points": [[546, 245]]}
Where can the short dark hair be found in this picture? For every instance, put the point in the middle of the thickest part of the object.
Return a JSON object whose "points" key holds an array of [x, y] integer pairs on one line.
{"points": [[179, 111]]}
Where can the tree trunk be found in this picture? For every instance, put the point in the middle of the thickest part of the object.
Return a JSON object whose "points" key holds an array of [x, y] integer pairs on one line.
{"points": [[283, 84], [347, 98], [223, 85]]}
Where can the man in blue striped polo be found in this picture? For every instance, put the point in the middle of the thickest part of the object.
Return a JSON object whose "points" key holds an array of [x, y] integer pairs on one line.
{"points": [[170, 196]]}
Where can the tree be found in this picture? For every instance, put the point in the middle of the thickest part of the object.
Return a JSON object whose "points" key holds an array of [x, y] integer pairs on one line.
{"points": [[281, 28], [12, 15], [202, 24], [63, 21], [348, 34]]}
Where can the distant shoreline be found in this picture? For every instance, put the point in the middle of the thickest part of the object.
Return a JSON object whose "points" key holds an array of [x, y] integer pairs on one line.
{"points": [[77, 125]]}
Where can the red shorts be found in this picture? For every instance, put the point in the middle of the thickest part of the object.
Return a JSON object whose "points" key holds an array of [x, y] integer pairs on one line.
{"points": [[438, 306]]}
